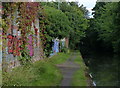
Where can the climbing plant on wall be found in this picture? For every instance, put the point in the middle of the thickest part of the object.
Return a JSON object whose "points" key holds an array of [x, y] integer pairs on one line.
{"points": [[23, 14], [45, 38], [28, 12]]}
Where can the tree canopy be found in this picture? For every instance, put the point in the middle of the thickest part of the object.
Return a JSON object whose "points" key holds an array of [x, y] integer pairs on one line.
{"points": [[103, 32], [65, 19], [59, 25], [78, 22]]}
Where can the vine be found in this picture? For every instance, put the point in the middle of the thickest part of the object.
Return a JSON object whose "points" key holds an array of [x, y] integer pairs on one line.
{"points": [[23, 14], [43, 33]]}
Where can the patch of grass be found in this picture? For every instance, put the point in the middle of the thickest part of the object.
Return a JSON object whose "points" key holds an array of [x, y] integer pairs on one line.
{"points": [[79, 78], [59, 58], [40, 73]]}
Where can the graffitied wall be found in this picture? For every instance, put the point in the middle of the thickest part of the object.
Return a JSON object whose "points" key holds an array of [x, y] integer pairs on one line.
{"points": [[15, 37], [57, 46], [13, 47]]}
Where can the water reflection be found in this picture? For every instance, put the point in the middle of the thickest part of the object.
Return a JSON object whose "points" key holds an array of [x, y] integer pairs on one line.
{"points": [[104, 69]]}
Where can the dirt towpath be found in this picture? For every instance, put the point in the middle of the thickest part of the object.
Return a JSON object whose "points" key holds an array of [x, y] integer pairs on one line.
{"points": [[67, 69]]}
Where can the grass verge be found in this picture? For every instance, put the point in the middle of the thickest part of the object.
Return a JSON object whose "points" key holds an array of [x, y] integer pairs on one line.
{"points": [[40, 73], [59, 58], [79, 78], [0, 77]]}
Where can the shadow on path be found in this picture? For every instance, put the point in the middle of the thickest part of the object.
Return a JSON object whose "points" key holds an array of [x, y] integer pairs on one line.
{"points": [[68, 68]]}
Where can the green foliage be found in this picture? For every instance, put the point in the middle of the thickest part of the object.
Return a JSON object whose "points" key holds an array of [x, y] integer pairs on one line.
{"points": [[103, 34], [59, 23], [24, 58], [107, 23], [50, 4], [64, 20], [64, 49], [78, 23]]}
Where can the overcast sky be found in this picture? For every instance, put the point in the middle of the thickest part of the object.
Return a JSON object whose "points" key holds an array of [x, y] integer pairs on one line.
{"points": [[89, 4]]}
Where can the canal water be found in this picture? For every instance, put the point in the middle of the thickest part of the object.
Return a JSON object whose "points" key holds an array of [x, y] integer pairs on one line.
{"points": [[104, 69]]}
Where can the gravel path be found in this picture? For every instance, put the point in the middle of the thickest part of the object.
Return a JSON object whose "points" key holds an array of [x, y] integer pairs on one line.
{"points": [[68, 68]]}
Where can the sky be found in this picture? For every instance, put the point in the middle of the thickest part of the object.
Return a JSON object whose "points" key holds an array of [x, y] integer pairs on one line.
{"points": [[89, 4]]}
